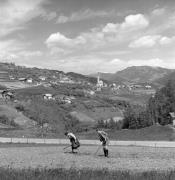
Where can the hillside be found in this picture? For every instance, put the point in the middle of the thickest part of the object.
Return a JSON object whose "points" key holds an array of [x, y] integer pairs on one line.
{"points": [[138, 74], [91, 79], [164, 80], [75, 104], [143, 73], [11, 76]]}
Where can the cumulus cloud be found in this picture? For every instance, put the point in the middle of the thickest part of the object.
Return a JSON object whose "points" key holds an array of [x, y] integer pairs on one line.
{"points": [[135, 21], [145, 41], [57, 39], [166, 40], [132, 22], [150, 41], [99, 37]]}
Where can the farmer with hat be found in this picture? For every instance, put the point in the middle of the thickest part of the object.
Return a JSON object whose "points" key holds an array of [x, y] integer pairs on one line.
{"points": [[103, 136], [75, 144]]}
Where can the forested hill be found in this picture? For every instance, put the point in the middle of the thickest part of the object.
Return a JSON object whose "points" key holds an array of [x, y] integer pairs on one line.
{"points": [[164, 102], [139, 74], [157, 110]]}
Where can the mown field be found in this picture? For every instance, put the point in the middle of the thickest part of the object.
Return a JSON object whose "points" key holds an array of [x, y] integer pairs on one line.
{"points": [[20, 162], [52, 162], [121, 158]]}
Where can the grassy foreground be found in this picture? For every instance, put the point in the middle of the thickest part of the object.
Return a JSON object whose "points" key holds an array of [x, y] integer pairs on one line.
{"points": [[84, 174]]}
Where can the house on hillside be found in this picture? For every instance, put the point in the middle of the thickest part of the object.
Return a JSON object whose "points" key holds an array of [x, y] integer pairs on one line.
{"points": [[11, 78], [63, 99], [22, 79], [42, 78], [66, 79], [115, 87], [29, 80], [88, 92], [48, 97], [138, 86], [148, 87]]}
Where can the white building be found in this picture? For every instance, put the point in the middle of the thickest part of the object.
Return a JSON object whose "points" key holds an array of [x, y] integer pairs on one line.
{"points": [[48, 96], [22, 79], [42, 78], [148, 87], [99, 83], [30, 80]]}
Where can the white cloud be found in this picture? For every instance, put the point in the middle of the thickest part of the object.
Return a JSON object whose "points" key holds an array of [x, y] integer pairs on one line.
{"points": [[15, 13], [145, 41], [166, 40], [82, 15], [158, 11], [58, 39], [150, 41], [99, 37], [135, 21], [132, 22]]}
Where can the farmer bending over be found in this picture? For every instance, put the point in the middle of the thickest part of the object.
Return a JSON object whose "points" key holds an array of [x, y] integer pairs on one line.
{"points": [[75, 144], [103, 136]]}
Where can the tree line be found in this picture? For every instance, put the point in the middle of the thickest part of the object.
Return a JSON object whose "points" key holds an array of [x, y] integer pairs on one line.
{"points": [[156, 111]]}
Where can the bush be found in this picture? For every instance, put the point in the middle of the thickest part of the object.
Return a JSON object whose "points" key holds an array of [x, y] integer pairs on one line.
{"points": [[111, 124], [5, 120]]}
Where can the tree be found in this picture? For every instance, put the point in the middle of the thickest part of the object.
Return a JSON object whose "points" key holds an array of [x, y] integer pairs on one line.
{"points": [[162, 104]]}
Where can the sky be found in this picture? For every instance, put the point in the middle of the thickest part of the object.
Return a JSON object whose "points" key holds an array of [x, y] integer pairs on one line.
{"points": [[88, 36]]}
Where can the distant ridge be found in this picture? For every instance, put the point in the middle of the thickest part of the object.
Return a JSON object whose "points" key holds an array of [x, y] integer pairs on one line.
{"points": [[138, 74]]}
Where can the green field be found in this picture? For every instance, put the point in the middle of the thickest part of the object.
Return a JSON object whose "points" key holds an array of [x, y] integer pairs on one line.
{"points": [[134, 159], [52, 162]]}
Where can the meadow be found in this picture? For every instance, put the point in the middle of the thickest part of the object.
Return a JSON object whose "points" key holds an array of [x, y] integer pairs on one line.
{"points": [[53, 162]]}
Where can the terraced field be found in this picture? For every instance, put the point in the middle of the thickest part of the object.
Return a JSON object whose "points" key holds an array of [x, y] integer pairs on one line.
{"points": [[137, 159]]}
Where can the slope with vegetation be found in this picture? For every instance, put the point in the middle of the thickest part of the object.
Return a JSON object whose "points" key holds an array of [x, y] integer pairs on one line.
{"points": [[139, 74], [157, 110]]}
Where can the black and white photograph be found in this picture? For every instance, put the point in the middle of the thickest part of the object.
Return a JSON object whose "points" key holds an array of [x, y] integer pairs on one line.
{"points": [[87, 89]]}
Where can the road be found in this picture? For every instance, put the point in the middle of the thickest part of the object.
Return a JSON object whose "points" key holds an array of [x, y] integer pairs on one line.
{"points": [[88, 142]]}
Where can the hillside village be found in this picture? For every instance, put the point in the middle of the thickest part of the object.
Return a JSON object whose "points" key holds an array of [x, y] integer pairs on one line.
{"points": [[47, 102]]}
